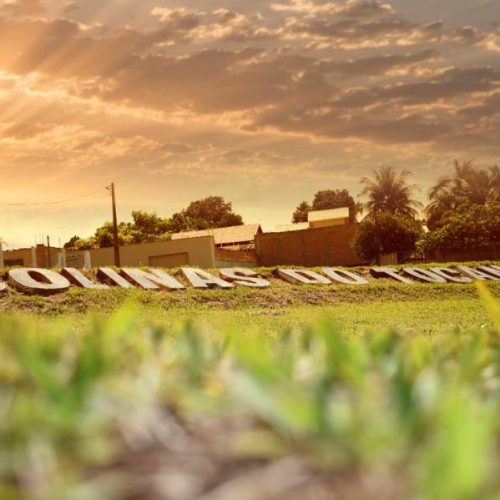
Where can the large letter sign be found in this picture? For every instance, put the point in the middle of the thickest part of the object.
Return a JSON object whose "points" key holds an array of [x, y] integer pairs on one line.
{"points": [[46, 282]]}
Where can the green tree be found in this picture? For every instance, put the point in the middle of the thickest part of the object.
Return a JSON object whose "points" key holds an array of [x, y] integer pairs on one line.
{"points": [[384, 233], [470, 226], [145, 227], [300, 214], [389, 191], [148, 227], [467, 185], [72, 242], [208, 213], [326, 200], [338, 198]]}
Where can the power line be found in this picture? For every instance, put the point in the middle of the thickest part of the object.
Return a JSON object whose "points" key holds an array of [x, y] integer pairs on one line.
{"points": [[45, 203]]}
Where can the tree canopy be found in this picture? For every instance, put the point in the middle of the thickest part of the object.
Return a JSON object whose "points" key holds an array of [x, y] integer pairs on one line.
{"points": [[326, 200], [300, 214], [467, 185], [208, 213], [211, 212], [389, 192], [384, 233], [470, 226]]}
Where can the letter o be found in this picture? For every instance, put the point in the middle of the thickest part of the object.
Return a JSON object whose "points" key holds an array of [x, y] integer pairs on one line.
{"points": [[33, 281]]}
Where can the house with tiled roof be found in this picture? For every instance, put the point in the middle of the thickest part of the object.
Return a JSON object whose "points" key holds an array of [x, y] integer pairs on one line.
{"points": [[236, 237]]}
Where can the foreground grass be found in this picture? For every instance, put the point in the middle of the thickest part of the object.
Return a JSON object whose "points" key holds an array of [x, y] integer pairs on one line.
{"points": [[279, 297], [411, 317], [128, 407]]}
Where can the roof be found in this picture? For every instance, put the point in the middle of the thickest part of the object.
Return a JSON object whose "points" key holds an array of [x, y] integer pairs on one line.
{"points": [[299, 226], [224, 235], [335, 213]]}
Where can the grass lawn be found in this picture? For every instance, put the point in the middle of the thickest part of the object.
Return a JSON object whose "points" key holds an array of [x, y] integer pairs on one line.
{"points": [[417, 310], [388, 391], [422, 317]]}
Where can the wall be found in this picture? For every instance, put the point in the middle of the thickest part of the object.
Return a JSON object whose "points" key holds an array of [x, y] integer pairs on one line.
{"points": [[191, 251], [328, 246], [235, 258], [329, 222], [466, 255], [23, 257]]}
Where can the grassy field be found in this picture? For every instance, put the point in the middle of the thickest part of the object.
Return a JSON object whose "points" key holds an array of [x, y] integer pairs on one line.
{"points": [[388, 391], [422, 309]]}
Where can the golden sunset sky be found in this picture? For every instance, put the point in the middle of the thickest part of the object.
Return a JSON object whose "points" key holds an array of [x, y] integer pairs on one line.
{"points": [[262, 102]]}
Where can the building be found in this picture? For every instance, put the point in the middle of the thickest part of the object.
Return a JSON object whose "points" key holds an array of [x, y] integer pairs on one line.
{"points": [[329, 218], [38, 256], [199, 251], [232, 238], [211, 248], [324, 240], [234, 246]]}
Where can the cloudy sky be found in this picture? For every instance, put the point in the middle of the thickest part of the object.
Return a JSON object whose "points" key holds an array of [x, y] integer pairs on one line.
{"points": [[261, 101]]}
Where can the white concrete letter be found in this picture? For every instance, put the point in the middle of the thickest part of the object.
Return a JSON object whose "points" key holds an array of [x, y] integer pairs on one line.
{"points": [[201, 279], [389, 272], [303, 277], [154, 280], [423, 275], [110, 276], [451, 275], [38, 281], [244, 277], [493, 270], [344, 276], [77, 278], [476, 274]]}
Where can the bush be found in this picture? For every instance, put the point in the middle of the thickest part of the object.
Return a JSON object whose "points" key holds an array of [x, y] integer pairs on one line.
{"points": [[472, 226], [386, 233]]}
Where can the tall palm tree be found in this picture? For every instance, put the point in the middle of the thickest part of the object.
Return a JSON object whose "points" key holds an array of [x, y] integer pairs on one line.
{"points": [[388, 191], [467, 185]]}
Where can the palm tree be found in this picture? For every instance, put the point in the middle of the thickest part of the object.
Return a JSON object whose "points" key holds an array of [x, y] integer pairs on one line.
{"points": [[467, 186], [389, 192]]}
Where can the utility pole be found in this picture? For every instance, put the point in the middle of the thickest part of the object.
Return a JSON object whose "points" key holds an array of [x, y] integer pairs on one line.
{"points": [[48, 253], [115, 226]]}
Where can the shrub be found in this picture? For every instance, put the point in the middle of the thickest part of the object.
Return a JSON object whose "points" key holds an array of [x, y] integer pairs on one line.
{"points": [[386, 233], [472, 226]]}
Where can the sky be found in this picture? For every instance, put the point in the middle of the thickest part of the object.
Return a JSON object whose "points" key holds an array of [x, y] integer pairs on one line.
{"points": [[261, 102]]}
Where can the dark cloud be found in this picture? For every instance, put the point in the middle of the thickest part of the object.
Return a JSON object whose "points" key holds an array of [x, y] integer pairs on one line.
{"points": [[489, 107], [71, 7], [282, 88], [23, 8], [350, 8], [353, 33], [335, 124], [366, 8], [446, 85], [25, 130], [177, 24], [378, 65]]}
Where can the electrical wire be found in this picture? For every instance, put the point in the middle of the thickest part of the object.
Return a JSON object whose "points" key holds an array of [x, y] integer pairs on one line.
{"points": [[47, 203]]}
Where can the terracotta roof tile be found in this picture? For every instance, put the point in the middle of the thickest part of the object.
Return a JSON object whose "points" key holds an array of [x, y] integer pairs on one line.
{"points": [[224, 235]]}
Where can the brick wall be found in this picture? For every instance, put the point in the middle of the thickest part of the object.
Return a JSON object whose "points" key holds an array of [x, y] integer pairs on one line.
{"points": [[24, 257], [328, 246], [235, 255], [469, 254]]}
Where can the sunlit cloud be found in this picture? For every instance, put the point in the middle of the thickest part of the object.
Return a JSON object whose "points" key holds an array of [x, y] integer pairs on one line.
{"points": [[224, 99]]}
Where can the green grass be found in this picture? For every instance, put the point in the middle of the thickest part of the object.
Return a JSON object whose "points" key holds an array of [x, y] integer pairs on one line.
{"points": [[422, 317], [385, 399], [279, 296]]}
